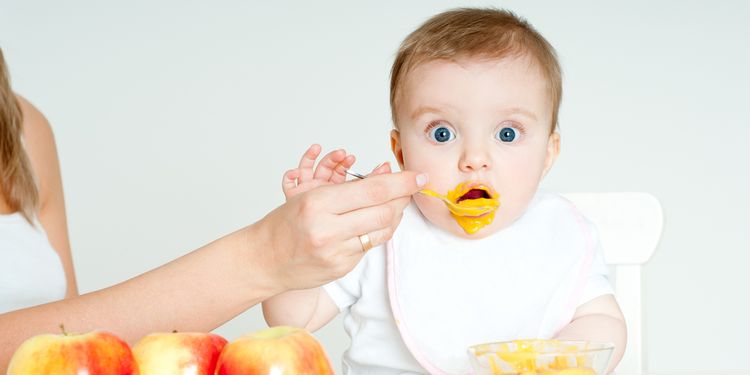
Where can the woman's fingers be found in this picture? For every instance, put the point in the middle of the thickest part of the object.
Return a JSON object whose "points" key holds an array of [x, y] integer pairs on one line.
{"points": [[350, 251], [307, 163], [372, 191], [363, 221], [354, 246], [318, 232]]}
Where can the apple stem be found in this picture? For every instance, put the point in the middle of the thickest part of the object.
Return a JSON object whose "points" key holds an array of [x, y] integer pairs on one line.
{"points": [[174, 331], [62, 328]]}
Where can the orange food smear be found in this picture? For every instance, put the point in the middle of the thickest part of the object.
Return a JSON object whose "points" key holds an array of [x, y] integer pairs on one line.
{"points": [[471, 214]]}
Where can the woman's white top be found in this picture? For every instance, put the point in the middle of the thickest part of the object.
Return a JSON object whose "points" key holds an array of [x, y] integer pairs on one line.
{"points": [[417, 304], [31, 272]]}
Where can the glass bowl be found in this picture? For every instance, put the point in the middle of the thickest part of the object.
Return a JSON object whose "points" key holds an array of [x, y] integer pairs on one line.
{"points": [[541, 357]]}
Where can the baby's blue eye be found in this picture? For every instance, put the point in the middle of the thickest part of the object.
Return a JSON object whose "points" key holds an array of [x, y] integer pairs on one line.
{"points": [[507, 134], [441, 134]]}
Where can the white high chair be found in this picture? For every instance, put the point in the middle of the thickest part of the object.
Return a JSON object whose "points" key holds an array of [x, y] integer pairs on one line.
{"points": [[630, 225]]}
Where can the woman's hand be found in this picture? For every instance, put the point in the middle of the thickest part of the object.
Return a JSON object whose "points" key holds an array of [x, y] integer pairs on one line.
{"points": [[314, 237]]}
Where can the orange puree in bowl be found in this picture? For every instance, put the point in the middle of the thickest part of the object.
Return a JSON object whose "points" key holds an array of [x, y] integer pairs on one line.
{"points": [[470, 214], [524, 360]]}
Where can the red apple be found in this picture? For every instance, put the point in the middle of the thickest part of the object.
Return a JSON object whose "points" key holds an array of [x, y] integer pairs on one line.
{"points": [[274, 351], [178, 353], [91, 353]]}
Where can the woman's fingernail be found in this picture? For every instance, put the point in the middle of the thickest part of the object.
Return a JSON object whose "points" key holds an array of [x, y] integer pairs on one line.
{"points": [[422, 179]]}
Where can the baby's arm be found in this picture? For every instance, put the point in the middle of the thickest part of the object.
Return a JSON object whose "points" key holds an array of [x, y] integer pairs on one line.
{"points": [[308, 308], [599, 320]]}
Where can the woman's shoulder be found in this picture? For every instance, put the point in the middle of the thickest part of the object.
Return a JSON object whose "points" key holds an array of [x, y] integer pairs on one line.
{"points": [[39, 143], [37, 131]]}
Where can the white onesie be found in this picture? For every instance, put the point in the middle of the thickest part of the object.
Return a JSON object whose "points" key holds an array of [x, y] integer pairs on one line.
{"points": [[415, 305]]}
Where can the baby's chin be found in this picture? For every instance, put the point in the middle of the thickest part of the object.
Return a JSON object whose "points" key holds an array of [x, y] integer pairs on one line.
{"points": [[483, 232], [440, 217]]}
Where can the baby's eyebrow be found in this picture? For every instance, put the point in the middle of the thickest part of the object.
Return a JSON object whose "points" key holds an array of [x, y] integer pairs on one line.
{"points": [[503, 112], [425, 109], [519, 110]]}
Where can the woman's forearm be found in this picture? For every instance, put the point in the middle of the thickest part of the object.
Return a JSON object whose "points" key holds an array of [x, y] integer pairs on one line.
{"points": [[307, 242], [196, 292]]}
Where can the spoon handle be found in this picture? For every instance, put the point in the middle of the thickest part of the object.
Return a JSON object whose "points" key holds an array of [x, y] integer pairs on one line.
{"points": [[354, 174]]}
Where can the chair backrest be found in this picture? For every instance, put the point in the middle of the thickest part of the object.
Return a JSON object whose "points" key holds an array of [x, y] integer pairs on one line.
{"points": [[629, 225]]}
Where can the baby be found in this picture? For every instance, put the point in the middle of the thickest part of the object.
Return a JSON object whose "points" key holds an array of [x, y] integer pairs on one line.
{"points": [[475, 95]]}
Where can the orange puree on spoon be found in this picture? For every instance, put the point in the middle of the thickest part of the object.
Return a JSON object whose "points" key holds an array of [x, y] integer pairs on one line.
{"points": [[472, 206]]}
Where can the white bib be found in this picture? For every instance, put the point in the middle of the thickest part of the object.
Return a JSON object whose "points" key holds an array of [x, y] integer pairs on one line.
{"points": [[446, 293]]}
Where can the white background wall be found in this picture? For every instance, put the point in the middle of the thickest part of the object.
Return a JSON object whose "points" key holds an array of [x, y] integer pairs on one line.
{"points": [[175, 120]]}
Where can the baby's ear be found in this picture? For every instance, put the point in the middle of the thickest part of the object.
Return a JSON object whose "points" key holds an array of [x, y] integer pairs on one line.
{"points": [[396, 148], [553, 150]]}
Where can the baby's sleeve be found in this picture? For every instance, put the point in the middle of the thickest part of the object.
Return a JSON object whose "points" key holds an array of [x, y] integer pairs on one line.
{"points": [[346, 291], [598, 283]]}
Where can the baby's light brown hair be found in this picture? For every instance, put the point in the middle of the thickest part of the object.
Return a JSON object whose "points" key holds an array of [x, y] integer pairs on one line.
{"points": [[476, 33]]}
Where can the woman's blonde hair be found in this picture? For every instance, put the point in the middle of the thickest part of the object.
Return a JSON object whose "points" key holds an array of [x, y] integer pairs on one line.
{"points": [[476, 32], [17, 182]]}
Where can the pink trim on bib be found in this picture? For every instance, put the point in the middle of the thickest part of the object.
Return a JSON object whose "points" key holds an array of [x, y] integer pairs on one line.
{"points": [[583, 275], [399, 318]]}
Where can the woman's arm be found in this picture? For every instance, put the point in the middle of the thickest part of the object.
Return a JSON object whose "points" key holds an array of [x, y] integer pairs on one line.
{"points": [[309, 241], [40, 146], [599, 320], [197, 292]]}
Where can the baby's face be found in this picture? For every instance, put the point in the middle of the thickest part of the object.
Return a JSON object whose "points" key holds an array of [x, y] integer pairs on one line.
{"points": [[483, 121]]}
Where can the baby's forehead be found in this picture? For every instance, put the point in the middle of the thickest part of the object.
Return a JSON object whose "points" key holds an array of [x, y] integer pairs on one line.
{"points": [[518, 76], [527, 63]]}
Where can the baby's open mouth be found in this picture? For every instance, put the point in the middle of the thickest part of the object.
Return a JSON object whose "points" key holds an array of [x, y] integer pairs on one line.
{"points": [[475, 205], [475, 193]]}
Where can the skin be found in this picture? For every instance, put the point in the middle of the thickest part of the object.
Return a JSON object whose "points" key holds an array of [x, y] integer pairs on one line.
{"points": [[306, 242], [474, 99]]}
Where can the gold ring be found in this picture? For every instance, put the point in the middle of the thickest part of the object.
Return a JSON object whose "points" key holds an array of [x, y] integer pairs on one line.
{"points": [[365, 241]]}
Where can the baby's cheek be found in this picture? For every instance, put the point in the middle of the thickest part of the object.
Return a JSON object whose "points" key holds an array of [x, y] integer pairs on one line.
{"points": [[432, 208], [427, 205]]}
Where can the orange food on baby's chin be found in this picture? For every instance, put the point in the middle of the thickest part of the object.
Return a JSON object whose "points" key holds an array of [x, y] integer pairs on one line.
{"points": [[476, 197]]}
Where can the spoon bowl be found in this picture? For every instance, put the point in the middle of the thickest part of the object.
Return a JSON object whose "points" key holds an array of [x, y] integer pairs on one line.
{"points": [[458, 209]]}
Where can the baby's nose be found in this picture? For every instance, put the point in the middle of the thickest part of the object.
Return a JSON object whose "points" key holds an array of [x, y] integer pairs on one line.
{"points": [[474, 160]]}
